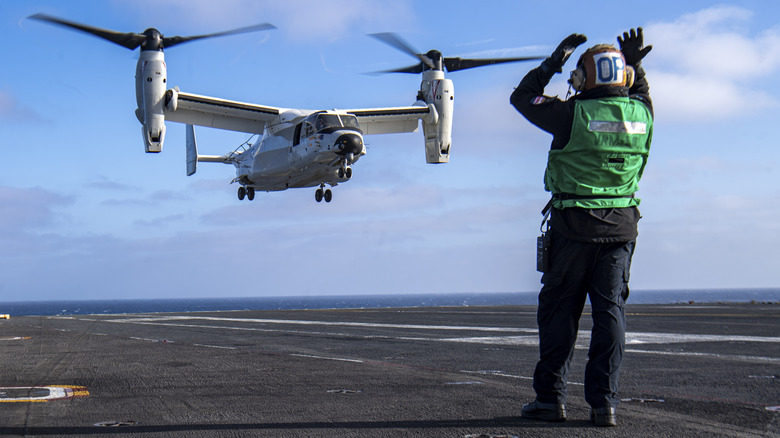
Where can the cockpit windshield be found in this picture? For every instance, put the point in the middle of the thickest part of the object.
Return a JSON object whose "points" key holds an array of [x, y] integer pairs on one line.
{"points": [[333, 122], [327, 121], [350, 122]]}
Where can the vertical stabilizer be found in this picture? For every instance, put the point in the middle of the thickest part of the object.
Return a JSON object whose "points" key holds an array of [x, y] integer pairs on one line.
{"points": [[192, 151]]}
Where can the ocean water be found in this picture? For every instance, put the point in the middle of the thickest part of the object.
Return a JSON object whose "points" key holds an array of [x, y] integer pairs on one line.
{"points": [[93, 307]]}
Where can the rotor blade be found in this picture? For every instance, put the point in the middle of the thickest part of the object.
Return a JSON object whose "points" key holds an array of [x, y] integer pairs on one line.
{"points": [[129, 40], [455, 64], [417, 68], [395, 41], [172, 41]]}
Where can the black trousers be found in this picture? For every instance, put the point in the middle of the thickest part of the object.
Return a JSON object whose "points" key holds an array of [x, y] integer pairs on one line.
{"points": [[579, 270]]}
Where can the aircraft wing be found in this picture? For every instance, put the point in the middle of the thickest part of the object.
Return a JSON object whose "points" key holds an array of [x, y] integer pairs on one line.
{"points": [[193, 109], [393, 119]]}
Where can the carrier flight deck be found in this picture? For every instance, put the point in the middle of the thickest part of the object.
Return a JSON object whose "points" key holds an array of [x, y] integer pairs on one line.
{"points": [[689, 370]]}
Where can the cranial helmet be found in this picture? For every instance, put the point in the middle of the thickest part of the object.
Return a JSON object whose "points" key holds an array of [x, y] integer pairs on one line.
{"points": [[601, 65]]}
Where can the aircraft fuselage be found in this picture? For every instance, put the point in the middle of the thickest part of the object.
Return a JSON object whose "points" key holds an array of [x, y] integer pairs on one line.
{"points": [[309, 151]]}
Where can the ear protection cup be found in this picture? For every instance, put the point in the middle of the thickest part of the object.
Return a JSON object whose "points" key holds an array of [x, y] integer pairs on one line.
{"points": [[577, 79], [630, 76]]}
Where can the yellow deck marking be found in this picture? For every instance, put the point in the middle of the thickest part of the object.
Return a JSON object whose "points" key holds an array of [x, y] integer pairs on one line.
{"points": [[39, 394]]}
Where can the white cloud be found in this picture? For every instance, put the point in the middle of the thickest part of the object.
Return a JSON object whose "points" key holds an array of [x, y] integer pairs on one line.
{"points": [[28, 209], [724, 241], [709, 64], [101, 182], [679, 95]]}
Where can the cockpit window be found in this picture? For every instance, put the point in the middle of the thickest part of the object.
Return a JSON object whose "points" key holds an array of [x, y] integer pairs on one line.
{"points": [[332, 122], [308, 130], [350, 122], [325, 121]]}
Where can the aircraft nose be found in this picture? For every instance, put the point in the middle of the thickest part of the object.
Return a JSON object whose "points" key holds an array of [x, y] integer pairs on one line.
{"points": [[349, 144]]}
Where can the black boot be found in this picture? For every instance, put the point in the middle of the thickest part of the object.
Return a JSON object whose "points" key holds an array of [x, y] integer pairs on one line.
{"points": [[544, 411], [604, 417]]}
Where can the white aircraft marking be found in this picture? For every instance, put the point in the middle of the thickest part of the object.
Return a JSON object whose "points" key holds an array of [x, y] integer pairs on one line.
{"points": [[632, 338], [215, 346], [341, 359], [325, 323]]}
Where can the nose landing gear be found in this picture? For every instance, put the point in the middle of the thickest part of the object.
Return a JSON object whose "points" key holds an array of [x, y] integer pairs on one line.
{"points": [[345, 170]]}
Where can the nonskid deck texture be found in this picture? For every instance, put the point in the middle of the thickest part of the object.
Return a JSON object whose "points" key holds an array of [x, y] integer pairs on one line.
{"points": [[689, 370]]}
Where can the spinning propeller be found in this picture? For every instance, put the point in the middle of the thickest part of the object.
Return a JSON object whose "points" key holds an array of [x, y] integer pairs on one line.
{"points": [[433, 60], [151, 73], [150, 39]]}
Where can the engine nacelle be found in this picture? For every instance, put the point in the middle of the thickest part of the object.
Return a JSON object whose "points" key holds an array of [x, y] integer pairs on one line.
{"points": [[151, 78], [437, 128]]}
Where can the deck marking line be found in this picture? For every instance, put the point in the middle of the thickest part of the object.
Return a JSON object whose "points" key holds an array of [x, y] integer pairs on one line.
{"points": [[215, 346], [21, 394], [716, 355], [631, 337], [340, 359], [327, 323]]}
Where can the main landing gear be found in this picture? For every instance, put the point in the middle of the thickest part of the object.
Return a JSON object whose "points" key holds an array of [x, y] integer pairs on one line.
{"points": [[248, 192], [323, 193]]}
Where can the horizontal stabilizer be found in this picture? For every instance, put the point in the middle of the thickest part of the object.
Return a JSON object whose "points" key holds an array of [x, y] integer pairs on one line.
{"points": [[215, 159], [193, 157]]}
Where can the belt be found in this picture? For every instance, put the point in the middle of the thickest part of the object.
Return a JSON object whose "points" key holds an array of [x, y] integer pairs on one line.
{"points": [[567, 196]]}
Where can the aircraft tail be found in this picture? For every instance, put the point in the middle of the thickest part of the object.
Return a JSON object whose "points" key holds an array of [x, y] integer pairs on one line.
{"points": [[192, 153]]}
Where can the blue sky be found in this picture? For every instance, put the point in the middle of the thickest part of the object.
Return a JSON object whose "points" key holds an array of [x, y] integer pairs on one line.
{"points": [[87, 214]]}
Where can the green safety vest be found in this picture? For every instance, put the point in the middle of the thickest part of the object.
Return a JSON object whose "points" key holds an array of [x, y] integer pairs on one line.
{"points": [[601, 165]]}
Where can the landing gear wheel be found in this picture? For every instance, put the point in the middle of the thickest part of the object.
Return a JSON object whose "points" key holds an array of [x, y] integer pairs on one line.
{"points": [[348, 172], [241, 193], [318, 195], [250, 193], [328, 195], [341, 173]]}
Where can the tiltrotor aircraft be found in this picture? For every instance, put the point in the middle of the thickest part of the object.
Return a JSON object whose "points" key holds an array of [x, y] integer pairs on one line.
{"points": [[296, 147]]}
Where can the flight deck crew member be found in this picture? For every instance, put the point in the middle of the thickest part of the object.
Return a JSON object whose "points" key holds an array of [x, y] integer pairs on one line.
{"points": [[601, 140]]}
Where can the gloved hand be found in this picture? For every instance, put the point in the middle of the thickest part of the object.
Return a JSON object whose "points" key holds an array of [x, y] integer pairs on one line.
{"points": [[561, 54], [632, 46]]}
